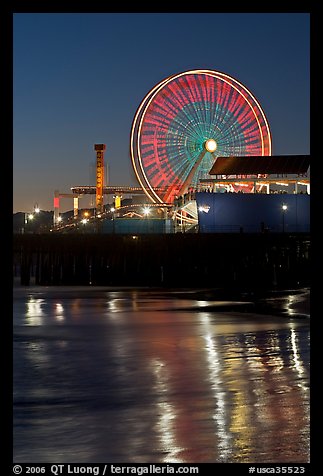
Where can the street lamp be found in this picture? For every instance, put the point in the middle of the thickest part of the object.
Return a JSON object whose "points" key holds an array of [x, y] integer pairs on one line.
{"points": [[27, 219], [146, 211], [284, 208], [112, 210]]}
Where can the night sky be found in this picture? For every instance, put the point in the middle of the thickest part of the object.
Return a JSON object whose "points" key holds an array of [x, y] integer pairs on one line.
{"points": [[78, 79]]}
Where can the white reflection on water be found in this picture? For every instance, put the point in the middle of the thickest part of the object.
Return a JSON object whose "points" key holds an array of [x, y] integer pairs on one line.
{"points": [[113, 306], [294, 305], [297, 362], [214, 373], [39, 312], [298, 366], [34, 313], [166, 420], [200, 303], [59, 312]]}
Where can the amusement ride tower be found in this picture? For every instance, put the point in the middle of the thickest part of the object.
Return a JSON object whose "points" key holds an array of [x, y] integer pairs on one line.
{"points": [[99, 148]]}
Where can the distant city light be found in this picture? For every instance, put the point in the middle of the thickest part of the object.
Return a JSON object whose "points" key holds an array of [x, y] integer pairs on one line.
{"points": [[59, 218], [84, 221], [31, 216], [112, 209], [284, 207], [37, 210]]}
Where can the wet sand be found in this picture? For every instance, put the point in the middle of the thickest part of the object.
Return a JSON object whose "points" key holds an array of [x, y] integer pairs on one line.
{"points": [[142, 375]]}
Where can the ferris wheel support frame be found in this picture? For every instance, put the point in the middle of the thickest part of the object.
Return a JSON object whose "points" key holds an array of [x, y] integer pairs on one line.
{"points": [[191, 174]]}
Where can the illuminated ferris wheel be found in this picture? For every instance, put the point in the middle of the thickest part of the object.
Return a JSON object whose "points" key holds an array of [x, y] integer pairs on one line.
{"points": [[188, 120]]}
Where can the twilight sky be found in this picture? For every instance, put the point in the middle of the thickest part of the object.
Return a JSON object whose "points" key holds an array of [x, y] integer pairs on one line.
{"points": [[79, 78]]}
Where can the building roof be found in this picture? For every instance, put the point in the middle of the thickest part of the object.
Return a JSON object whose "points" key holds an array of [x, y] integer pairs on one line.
{"points": [[259, 164]]}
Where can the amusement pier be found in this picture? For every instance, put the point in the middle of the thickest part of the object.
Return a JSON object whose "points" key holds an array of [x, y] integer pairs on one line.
{"points": [[212, 204]]}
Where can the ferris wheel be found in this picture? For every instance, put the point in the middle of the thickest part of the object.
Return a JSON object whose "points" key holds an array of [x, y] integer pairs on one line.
{"points": [[188, 120]]}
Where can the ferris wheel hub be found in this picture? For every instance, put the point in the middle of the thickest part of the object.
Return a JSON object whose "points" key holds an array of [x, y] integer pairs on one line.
{"points": [[211, 145]]}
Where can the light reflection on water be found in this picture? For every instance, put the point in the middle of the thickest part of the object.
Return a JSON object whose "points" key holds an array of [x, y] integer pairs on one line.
{"points": [[124, 376], [166, 415]]}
